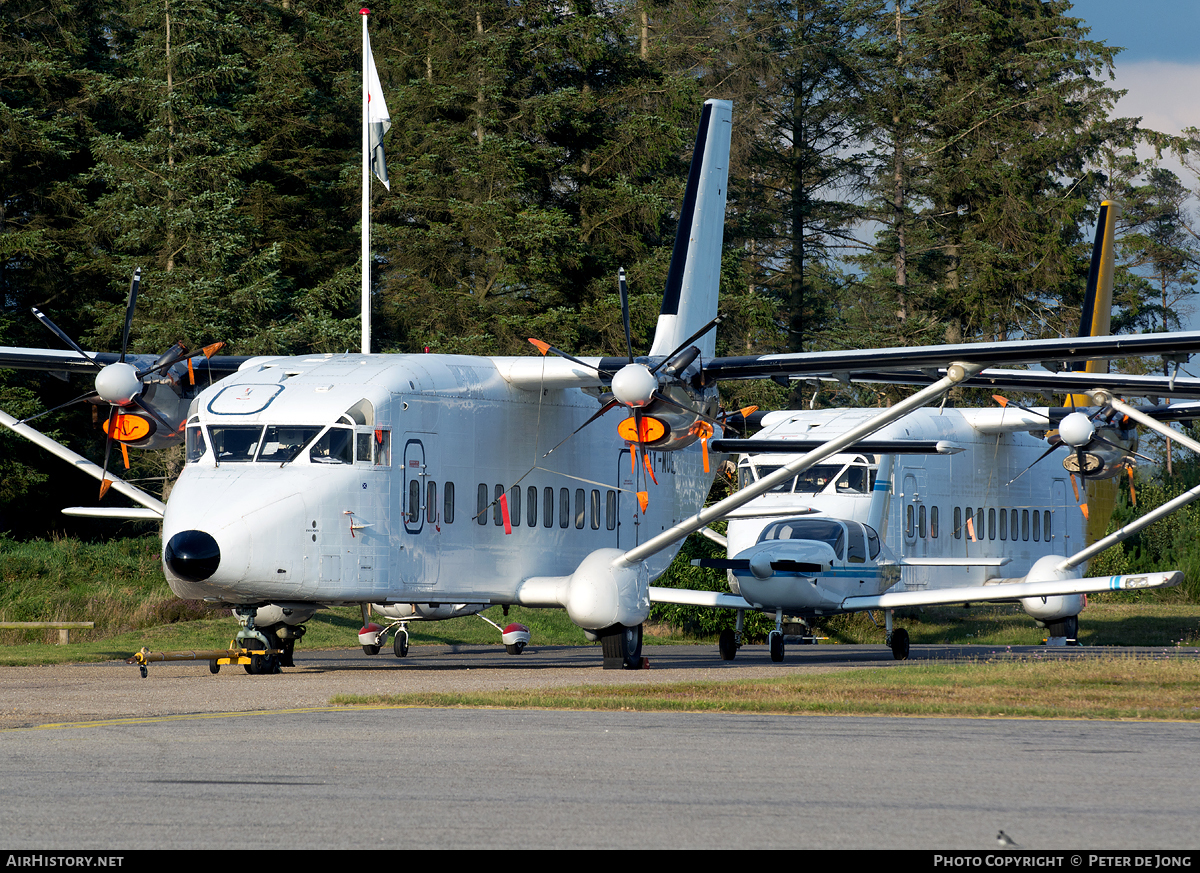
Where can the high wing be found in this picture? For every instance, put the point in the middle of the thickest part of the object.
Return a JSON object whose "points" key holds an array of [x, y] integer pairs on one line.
{"points": [[1054, 351], [1063, 382], [904, 365], [70, 363]]}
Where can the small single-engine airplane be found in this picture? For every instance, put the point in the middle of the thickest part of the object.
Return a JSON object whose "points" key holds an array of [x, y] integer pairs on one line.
{"points": [[419, 486]]}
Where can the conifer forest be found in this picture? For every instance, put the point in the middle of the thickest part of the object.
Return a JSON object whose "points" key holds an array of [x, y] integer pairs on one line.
{"points": [[904, 172]]}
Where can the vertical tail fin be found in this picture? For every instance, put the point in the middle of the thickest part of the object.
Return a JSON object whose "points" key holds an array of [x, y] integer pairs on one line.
{"points": [[1097, 301], [690, 299], [1095, 320]]}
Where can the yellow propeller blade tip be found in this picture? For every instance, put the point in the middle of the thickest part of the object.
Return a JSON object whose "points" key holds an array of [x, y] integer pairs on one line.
{"points": [[542, 347], [105, 484]]}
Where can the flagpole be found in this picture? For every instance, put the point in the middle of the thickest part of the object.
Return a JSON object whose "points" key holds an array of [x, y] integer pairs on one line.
{"points": [[366, 192]]}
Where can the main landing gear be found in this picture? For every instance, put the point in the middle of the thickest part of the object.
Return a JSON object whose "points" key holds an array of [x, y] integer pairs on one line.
{"points": [[1064, 632], [731, 640], [622, 648], [372, 637]]}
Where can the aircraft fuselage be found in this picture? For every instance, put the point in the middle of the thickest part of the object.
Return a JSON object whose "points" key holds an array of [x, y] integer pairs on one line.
{"points": [[376, 478]]}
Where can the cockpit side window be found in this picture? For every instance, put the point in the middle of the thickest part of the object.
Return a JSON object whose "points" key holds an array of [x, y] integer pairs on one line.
{"points": [[856, 548], [196, 446], [335, 446]]}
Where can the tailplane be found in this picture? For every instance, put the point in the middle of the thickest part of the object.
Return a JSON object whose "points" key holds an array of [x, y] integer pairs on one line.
{"points": [[690, 299]]}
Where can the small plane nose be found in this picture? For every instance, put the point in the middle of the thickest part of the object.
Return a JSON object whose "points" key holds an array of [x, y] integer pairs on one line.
{"points": [[192, 555]]}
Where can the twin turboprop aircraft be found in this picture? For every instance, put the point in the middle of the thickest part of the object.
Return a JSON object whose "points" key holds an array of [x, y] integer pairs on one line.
{"points": [[421, 486]]}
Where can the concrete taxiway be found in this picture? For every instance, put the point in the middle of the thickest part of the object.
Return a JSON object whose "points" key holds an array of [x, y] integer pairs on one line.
{"points": [[96, 757]]}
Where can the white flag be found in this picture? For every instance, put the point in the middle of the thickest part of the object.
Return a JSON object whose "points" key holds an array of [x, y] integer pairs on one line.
{"points": [[378, 120]]}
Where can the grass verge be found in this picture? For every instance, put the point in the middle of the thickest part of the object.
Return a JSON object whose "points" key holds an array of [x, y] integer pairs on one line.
{"points": [[1116, 688]]}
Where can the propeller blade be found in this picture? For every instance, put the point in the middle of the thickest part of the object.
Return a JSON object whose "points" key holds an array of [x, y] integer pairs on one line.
{"points": [[133, 290], [78, 399], [105, 482], [658, 395], [624, 289], [1040, 458], [167, 359], [546, 348], [687, 342], [603, 409], [44, 319], [171, 428], [1005, 403]]}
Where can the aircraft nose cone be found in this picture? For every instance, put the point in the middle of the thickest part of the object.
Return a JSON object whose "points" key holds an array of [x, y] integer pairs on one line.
{"points": [[192, 555]]}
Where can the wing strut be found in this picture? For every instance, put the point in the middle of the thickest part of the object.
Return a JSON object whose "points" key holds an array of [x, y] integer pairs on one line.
{"points": [[955, 373], [82, 463], [1103, 398]]}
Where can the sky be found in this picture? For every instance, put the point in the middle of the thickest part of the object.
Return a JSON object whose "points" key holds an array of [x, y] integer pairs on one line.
{"points": [[1160, 64], [1159, 68]]}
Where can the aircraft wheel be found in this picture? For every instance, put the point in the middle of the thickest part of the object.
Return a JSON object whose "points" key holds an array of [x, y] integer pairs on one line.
{"points": [[370, 650], [899, 644], [515, 648], [775, 640], [261, 665], [622, 647], [1067, 627], [400, 643], [727, 645]]}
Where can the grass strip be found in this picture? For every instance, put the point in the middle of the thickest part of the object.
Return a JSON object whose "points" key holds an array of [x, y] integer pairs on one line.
{"points": [[1117, 688]]}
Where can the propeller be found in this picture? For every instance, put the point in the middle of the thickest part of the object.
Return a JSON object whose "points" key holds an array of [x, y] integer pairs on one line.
{"points": [[1077, 432], [120, 384], [642, 389]]}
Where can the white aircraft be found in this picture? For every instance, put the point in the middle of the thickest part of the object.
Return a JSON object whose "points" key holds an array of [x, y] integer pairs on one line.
{"points": [[420, 486], [970, 522]]}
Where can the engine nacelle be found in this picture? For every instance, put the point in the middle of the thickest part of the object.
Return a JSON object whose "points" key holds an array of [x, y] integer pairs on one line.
{"points": [[1058, 607], [600, 593], [1099, 460]]}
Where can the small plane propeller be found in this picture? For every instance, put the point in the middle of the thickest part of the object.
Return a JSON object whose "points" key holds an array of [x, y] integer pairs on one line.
{"points": [[120, 384]]}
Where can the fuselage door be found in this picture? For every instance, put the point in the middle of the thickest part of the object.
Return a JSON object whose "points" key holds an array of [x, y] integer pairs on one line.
{"points": [[414, 478], [421, 502], [629, 513]]}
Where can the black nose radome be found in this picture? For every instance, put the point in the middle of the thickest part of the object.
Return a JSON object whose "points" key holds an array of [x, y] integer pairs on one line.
{"points": [[192, 555]]}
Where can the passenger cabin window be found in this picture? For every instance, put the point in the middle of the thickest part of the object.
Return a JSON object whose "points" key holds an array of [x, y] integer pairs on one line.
{"points": [[872, 541], [383, 447], [448, 503]]}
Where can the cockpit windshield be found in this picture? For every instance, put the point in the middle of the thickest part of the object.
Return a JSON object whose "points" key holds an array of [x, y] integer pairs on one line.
{"points": [[235, 444], [273, 443], [282, 443], [819, 529]]}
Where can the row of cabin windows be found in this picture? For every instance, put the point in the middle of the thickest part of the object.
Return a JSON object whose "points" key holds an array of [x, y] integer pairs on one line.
{"points": [[586, 507], [1011, 524]]}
